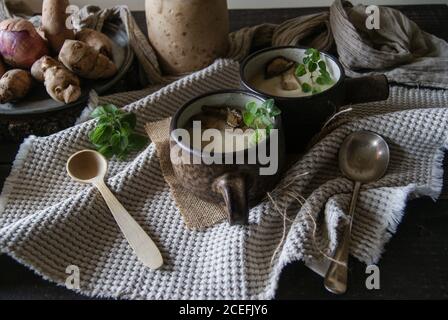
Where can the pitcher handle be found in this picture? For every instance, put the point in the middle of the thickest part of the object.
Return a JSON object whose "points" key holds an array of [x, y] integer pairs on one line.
{"points": [[366, 89], [233, 188]]}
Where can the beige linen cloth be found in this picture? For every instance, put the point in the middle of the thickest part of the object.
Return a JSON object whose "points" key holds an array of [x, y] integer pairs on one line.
{"points": [[48, 222]]}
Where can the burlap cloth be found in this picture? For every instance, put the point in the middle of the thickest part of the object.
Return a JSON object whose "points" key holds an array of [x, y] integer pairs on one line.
{"points": [[48, 222], [197, 213]]}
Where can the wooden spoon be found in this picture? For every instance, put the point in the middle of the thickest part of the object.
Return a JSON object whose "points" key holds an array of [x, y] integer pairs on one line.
{"points": [[89, 166]]}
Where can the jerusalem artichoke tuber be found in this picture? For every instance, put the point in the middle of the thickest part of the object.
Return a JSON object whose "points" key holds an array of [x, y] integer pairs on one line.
{"points": [[85, 61], [97, 40], [61, 84], [54, 23], [14, 85]]}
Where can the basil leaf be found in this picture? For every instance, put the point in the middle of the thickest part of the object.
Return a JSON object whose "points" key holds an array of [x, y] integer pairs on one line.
{"points": [[137, 142], [110, 108], [115, 140], [124, 142], [101, 134], [129, 118], [106, 151], [126, 129]]}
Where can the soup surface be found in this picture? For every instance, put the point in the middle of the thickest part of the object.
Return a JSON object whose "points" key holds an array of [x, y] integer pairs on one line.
{"points": [[285, 77], [273, 86], [228, 132]]}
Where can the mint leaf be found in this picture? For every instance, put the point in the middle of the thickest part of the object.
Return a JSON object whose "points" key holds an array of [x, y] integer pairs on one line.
{"points": [[312, 67], [275, 112], [322, 66], [309, 51], [248, 118], [315, 56], [252, 107], [300, 70], [114, 132], [98, 112], [306, 87], [268, 105], [316, 91]]}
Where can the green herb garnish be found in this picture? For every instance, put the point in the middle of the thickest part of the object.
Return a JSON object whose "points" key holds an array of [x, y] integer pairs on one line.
{"points": [[114, 133], [260, 117], [312, 63]]}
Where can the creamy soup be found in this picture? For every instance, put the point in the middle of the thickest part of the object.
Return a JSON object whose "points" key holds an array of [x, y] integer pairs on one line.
{"points": [[228, 134], [288, 77], [273, 86]]}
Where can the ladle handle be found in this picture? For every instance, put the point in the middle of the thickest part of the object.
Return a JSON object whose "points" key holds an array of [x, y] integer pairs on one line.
{"points": [[138, 239], [336, 277]]}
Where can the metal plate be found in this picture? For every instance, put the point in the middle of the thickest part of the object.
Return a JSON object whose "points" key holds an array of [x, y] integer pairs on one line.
{"points": [[38, 101]]}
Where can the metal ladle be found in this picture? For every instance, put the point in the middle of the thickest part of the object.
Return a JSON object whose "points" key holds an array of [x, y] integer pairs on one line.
{"points": [[89, 166], [363, 158]]}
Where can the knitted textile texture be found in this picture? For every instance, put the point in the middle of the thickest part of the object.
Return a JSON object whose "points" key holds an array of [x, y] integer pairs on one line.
{"points": [[49, 222]]}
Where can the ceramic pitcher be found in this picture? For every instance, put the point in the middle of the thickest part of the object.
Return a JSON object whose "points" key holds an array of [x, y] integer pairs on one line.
{"points": [[188, 35]]}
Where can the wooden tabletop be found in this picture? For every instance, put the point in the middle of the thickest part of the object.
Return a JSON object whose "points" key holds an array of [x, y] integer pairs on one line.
{"points": [[414, 265]]}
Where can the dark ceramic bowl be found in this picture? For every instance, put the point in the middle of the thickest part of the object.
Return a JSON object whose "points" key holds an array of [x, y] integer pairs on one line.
{"points": [[235, 186], [303, 117]]}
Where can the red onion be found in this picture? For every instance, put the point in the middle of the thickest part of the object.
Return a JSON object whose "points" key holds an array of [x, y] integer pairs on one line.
{"points": [[20, 44]]}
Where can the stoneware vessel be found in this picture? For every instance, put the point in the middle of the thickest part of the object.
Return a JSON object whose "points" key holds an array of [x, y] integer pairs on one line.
{"points": [[237, 187], [303, 117], [188, 35]]}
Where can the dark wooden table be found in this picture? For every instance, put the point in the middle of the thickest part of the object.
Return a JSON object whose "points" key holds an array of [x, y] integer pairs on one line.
{"points": [[414, 265]]}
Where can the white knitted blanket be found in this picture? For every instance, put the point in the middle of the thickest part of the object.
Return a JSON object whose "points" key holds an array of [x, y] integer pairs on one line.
{"points": [[49, 222]]}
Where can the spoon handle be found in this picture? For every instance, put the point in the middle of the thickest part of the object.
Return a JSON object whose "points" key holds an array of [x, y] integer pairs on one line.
{"points": [[336, 277], [141, 243]]}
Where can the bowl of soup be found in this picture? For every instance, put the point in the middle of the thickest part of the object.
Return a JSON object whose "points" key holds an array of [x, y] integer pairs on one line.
{"points": [[227, 147], [309, 86]]}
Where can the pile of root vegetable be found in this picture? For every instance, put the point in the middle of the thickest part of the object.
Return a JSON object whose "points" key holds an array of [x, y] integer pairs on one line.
{"points": [[53, 55]]}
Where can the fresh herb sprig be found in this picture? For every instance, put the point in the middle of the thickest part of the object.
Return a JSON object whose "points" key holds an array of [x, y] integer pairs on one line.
{"points": [[114, 133], [260, 117], [312, 63]]}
